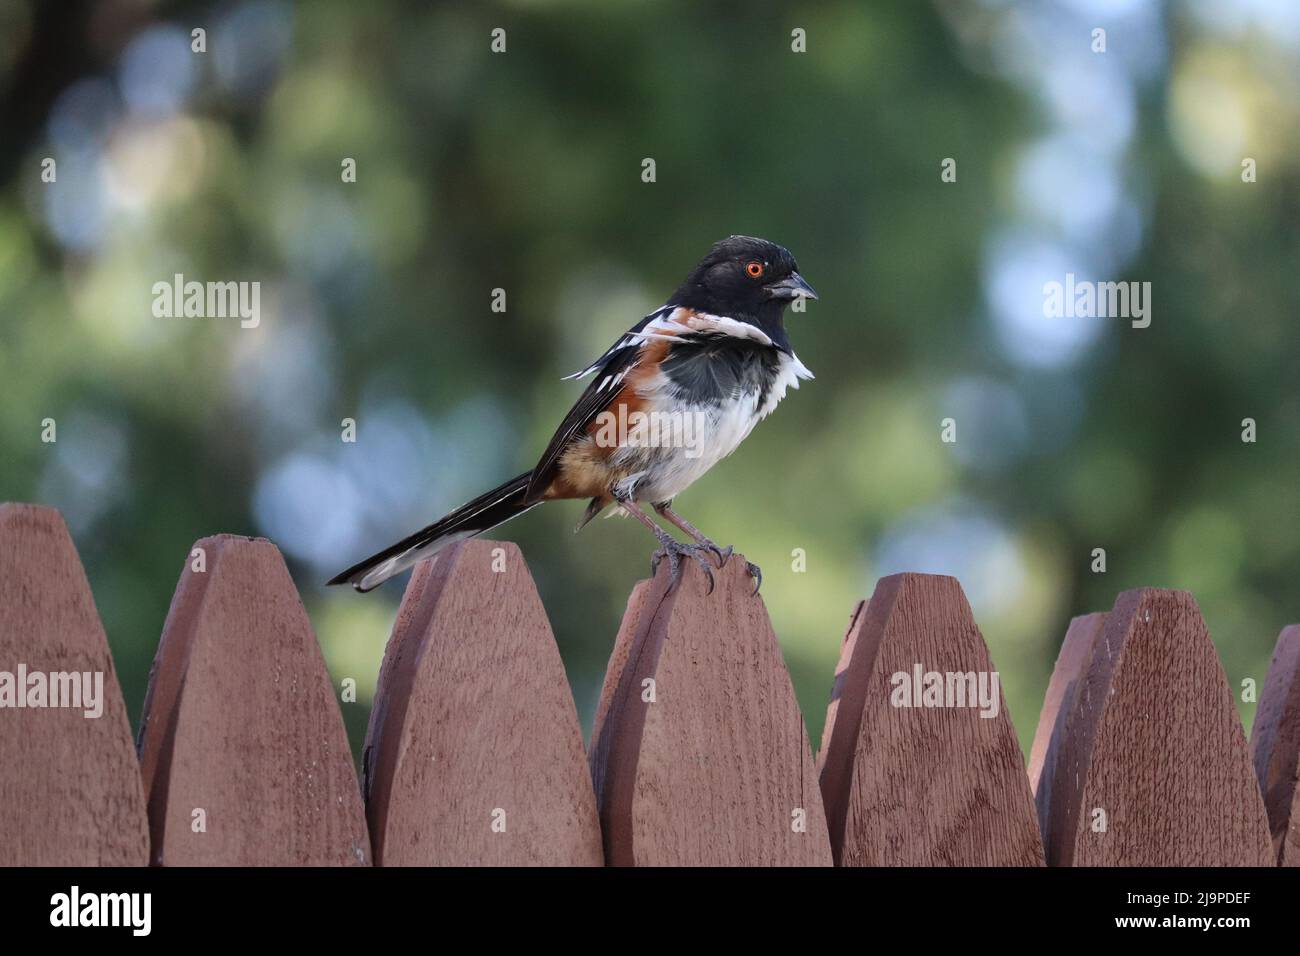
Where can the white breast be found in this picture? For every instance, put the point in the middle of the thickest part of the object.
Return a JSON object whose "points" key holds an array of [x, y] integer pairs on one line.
{"points": [[709, 432]]}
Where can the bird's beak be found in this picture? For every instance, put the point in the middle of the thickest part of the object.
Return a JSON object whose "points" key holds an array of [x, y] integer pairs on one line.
{"points": [[791, 287]]}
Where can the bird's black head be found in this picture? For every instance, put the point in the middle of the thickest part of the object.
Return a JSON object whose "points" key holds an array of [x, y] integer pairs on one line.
{"points": [[751, 280]]}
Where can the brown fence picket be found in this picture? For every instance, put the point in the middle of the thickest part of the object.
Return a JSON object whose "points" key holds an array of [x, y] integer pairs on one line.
{"points": [[1057, 704], [1275, 739], [715, 769], [1152, 767], [921, 785], [70, 791], [243, 748], [474, 753]]}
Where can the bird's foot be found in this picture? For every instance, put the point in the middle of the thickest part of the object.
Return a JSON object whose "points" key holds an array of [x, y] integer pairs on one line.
{"points": [[674, 551], [756, 573]]}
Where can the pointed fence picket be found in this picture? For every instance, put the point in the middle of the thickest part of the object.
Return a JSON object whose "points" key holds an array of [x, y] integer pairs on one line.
{"points": [[1147, 763], [700, 754], [915, 776], [474, 754], [242, 746], [70, 792]]}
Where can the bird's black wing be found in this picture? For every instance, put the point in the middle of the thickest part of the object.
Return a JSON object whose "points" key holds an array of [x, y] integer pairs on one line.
{"points": [[604, 388], [612, 367], [631, 339]]}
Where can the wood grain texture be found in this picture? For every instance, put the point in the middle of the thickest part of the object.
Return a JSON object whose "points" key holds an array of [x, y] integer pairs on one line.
{"points": [[474, 723], [923, 786], [241, 722], [1071, 660], [716, 769], [1275, 741], [70, 790], [1154, 742]]}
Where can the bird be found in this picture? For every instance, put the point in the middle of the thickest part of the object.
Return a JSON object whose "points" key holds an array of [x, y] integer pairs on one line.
{"points": [[674, 395]]}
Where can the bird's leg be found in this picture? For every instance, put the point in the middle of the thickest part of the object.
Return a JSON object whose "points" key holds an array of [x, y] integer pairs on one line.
{"points": [[666, 510], [669, 546], [724, 554]]}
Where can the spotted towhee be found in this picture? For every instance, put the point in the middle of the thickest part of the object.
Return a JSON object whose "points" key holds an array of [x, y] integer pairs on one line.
{"points": [[673, 396]]}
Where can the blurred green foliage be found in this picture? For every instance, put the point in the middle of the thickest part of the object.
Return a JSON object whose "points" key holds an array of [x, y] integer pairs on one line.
{"points": [[522, 171]]}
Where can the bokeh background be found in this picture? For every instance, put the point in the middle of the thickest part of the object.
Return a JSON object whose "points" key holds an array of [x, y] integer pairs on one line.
{"points": [[522, 171]]}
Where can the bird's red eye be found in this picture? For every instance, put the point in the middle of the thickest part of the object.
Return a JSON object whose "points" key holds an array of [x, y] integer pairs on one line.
{"points": [[755, 269]]}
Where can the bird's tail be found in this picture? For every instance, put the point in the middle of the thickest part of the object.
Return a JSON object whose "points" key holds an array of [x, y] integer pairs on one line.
{"points": [[474, 517]]}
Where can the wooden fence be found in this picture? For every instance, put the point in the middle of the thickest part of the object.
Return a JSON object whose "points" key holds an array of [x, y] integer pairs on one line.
{"points": [[699, 752]]}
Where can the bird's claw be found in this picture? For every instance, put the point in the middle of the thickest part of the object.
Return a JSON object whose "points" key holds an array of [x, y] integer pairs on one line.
{"points": [[673, 550], [756, 573], [724, 554], [655, 560]]}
